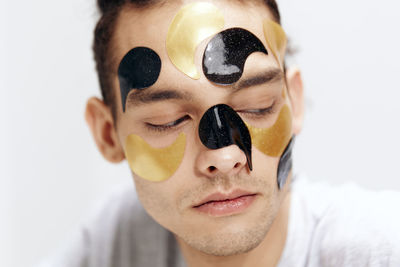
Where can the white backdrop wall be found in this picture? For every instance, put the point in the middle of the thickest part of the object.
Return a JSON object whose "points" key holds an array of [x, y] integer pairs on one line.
{"points": [[52, 174]]}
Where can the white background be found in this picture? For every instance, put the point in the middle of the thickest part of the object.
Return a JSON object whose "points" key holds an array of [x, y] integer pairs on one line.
{"points": [[51, 173]]}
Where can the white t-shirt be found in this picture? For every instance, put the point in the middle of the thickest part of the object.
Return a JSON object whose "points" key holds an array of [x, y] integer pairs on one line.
{"points": [[328, 226]]}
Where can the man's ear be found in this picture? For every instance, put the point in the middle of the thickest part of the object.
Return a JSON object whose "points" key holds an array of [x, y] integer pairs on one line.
{"points": [[99, 118], [296, 96]]}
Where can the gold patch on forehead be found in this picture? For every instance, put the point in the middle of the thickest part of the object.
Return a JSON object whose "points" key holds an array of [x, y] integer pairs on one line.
{"points": [[193, 23], [276, 39], [154, 164], [273, 141]]}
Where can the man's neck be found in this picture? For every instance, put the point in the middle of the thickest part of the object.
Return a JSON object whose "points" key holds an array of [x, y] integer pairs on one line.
{"points": [[266, 254]]}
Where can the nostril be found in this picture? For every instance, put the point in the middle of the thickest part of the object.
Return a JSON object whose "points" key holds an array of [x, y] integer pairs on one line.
{"points": [[212, 168], [236, 165]]}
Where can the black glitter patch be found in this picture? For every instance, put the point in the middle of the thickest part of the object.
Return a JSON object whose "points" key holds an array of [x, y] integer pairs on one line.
{"points": [[221, 126], [139, 69], [285, 164], [226, 54]]}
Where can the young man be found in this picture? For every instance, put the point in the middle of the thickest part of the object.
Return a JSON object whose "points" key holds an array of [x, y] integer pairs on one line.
{"points": [[198, 100]]}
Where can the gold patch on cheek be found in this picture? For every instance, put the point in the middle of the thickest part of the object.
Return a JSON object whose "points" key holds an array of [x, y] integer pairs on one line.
{"points": [[193, 23], [273, 141], [154, 164], [276, 39]]}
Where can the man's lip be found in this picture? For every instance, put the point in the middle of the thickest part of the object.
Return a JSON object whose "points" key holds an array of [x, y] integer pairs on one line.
{"points": [[221, 197]]}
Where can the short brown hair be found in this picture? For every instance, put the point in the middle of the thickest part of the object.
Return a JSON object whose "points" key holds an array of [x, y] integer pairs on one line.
{"points": [[109, 10]]}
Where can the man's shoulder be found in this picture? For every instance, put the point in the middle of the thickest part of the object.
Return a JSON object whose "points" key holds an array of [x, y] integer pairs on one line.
{"points": [[119, 207], [348, 224], [118, 233], [129, 235]]}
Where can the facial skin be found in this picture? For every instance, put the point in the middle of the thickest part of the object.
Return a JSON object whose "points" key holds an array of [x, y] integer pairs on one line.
{"points": [[176, 104]]}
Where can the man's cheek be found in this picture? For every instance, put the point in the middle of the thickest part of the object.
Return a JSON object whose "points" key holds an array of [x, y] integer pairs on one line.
{"points": [[155, 198], [154, 164], [273, 141], [276, 141]]}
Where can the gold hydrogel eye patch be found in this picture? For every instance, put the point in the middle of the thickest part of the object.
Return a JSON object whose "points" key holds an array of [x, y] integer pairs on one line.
{"points": [[154, 164], [276, 39], [193, 23], [273, 141]]}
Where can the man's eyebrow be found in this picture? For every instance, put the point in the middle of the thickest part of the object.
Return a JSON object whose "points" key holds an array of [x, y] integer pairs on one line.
{"points": [[259, 79], [146, 96]]}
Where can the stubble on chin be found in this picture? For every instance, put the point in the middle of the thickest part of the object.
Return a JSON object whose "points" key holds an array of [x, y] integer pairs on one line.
{"points": [[229, 243], [251, 229]]}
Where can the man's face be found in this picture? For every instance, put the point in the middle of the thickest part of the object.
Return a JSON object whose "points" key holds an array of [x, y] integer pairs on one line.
{"points": [[175, 104]]}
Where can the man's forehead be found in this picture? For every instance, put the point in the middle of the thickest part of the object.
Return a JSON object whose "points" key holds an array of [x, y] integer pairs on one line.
{"points": [[149, 26]]}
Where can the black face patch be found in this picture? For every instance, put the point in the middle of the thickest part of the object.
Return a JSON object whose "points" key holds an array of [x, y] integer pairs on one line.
{"points": [[221, 126], [139, 69], [226, 54], [285, 164]]}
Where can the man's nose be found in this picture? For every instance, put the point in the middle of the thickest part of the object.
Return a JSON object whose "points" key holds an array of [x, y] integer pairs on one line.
{"points": [[220, 128], [229, 160]]}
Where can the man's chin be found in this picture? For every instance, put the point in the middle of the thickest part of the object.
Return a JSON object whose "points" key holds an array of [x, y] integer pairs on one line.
{"points": [[227, 242]]}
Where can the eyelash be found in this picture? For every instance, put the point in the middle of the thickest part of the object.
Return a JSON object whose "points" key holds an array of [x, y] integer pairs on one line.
{"points": [[255, 113], [258, 113], [167, 126]]}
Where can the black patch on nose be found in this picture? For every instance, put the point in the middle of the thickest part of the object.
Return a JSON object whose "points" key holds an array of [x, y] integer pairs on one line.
{"points": [[226, 54], [285, 164], [139, 69], [221, 126]]}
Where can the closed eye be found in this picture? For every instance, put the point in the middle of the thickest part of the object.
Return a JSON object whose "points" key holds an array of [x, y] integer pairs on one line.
{"points": [[167, 126], [258, 112]]}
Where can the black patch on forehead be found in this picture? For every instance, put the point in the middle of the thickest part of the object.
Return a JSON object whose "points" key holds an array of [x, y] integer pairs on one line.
{"points": [[226, 54], [285, 164], [139, 69], [221, 126]]}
